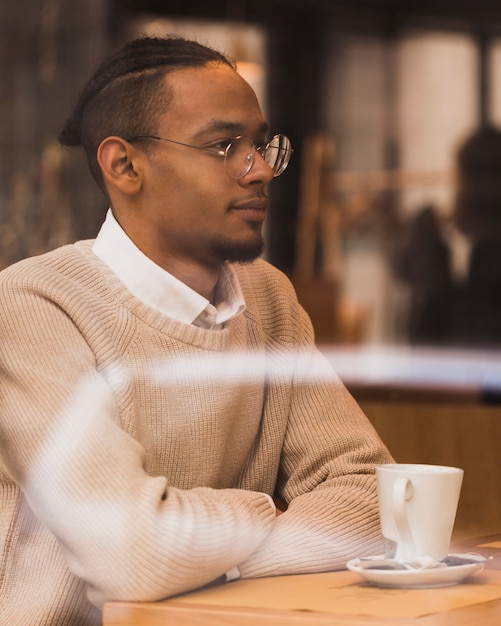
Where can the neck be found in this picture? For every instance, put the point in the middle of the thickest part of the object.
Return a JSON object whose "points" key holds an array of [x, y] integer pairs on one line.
{"points": [[199, 276], [203, 281]]}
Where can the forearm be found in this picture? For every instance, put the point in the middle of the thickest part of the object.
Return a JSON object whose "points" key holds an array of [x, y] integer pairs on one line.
{"points": [[129, 535], [198, 536], [320, 531]]}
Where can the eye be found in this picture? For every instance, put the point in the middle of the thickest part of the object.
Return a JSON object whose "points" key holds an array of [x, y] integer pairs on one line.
{"points": [[221, 145]]}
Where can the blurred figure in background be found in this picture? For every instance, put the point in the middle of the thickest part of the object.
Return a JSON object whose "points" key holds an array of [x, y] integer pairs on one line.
{"points": [[423, 262], [477, 214], [443, 310]]}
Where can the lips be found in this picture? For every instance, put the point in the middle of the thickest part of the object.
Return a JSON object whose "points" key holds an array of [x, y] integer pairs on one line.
{"points": [[253, 209]]}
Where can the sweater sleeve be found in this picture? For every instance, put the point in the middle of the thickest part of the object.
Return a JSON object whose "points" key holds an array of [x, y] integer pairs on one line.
{"points": [[326, 473], [127, 534]]}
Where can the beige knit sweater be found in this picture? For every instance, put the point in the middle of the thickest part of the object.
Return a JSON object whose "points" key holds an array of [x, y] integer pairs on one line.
{"points": [[134, 448]]}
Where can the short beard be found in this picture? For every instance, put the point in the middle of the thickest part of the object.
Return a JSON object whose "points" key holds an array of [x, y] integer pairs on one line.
{"points": [[238, 252]]}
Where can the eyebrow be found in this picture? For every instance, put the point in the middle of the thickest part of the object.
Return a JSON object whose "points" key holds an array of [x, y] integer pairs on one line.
{"points": [[223, 125]]}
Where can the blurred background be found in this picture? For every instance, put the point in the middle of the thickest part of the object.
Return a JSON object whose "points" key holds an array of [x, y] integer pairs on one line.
{"points": [[388, 219], [378, 97]]}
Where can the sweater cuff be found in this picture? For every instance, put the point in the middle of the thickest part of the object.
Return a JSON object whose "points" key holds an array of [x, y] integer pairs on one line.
{"points": [[234, 572]]}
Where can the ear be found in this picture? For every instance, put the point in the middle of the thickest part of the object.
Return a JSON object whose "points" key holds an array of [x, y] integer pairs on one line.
{"points": [[119, 163]]}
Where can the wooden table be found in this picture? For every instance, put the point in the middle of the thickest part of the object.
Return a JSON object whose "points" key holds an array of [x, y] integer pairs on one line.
{"points": [[327, 599]]}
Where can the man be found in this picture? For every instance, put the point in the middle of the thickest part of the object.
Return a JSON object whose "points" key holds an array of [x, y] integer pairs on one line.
{"points": [[160, 384]]}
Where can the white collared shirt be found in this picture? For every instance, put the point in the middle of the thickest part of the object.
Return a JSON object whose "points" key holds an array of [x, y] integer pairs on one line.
{"points": [[162, 291]]}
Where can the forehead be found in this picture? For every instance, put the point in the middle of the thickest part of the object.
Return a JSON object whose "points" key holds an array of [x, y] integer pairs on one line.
{"points": [[211, 98]]}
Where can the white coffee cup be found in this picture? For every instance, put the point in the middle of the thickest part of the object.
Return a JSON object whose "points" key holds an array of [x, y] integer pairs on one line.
{"points": [[417, 505]]}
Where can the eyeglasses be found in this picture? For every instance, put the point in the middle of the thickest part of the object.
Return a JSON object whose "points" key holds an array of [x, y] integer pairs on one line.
{"points": [[239, 153]]}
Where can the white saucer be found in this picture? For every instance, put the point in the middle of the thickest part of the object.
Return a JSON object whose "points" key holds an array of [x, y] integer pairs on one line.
{"points": [[417, 578]]}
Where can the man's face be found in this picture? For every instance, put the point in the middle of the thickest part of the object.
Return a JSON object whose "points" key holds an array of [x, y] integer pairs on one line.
{"points": [[193, 212]]}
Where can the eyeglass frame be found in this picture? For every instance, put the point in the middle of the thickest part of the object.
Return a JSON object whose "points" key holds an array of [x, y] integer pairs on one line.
{"points": [[256, 147]]}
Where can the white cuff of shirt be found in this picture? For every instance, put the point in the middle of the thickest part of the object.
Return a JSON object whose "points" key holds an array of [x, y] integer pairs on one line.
{"points": [[233, 574], [270, 499]]}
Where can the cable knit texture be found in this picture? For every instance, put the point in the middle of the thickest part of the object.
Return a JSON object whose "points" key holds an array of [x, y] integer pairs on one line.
{"points": [[135, 449]]}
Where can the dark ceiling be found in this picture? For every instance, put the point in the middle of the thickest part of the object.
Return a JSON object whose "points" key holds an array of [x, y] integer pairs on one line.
{"points": [[482, 15]]}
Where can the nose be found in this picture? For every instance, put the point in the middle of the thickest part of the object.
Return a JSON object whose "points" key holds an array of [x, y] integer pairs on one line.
{"points": [[260, 172]]}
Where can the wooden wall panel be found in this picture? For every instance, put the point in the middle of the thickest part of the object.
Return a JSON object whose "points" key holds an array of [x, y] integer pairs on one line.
{"points": [[466, 436]]}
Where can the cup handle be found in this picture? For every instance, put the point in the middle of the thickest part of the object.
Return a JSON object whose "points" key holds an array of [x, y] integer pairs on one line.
{"points": [[402, 492]]}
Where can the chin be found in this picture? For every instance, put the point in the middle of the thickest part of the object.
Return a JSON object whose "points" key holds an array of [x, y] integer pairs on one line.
{"points": [[240, 252]]}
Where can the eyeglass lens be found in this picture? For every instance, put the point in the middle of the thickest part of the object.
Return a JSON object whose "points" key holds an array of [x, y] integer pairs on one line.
{"points": [[240, 155], [278, 153]]}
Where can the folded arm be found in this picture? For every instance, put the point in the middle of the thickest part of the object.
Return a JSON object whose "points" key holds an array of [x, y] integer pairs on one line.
{"points": [[326, 476], [127, 534]]}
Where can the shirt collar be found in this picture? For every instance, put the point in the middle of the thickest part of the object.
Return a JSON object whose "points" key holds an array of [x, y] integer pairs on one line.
{"points": [[161, 290]]}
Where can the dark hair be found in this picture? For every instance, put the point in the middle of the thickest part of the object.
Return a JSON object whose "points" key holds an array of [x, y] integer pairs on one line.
{"points": [[126, 94]]}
